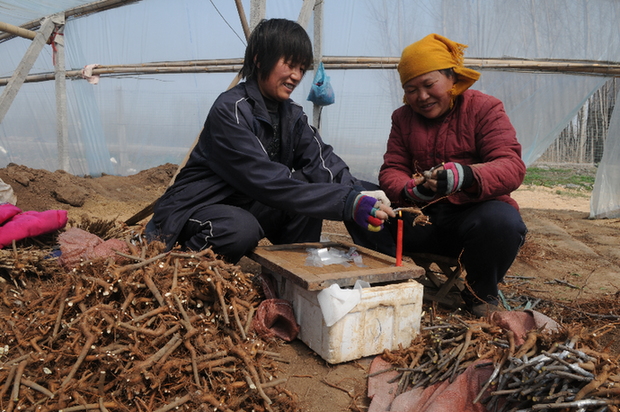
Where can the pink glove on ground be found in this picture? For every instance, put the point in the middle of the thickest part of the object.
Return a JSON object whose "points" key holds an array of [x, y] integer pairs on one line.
{"points": [[7, 211], [30, 224]]}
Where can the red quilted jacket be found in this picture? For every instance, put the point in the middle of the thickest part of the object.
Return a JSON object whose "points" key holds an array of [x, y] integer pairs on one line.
{"points": [[476, 132]]}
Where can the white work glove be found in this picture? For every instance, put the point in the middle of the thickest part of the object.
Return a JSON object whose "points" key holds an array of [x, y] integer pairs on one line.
{"points": [[379, 195]]}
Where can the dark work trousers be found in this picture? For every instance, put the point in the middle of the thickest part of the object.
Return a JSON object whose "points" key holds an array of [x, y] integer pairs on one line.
{"points": [[489, 235], [233, 231]]}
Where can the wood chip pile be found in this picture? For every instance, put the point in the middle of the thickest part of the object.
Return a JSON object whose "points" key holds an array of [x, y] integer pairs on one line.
{"points": [[156, 331]]}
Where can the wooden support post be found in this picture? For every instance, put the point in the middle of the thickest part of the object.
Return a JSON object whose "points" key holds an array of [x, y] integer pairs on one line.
{"points": [[257, 12], [318, 56], [306, 13], [243, 18], [22, 70], [58, 46]]}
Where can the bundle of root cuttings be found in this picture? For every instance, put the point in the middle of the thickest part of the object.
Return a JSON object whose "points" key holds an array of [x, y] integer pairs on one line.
{"points": [[16, 264], [561, 371], [568, 374], [104, 228], [157, 331], [442, 351]]}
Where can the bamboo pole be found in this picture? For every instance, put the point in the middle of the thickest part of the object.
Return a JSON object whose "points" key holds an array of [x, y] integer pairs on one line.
{"points": [[79, 11], [584, 68], [17, 31], [132, 71], [20, 74], [244, 20]]}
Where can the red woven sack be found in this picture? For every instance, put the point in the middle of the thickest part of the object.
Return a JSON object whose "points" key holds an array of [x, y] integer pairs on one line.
{"points": [[275, 317]]}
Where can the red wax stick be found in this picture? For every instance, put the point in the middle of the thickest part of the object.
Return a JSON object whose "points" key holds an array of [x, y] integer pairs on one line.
{"points": [[399, 243]]}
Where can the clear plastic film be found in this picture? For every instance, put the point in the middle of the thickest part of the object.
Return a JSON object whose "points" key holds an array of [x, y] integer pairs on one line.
{"points": [[131, 122], [320, 257]]}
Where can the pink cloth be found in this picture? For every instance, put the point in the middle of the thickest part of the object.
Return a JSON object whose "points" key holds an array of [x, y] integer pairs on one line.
{"points": [[77, 245], [440, 397], [446, 396], [380, 390], [522, 322], [28, 224], [87, 73], [7, 211]]}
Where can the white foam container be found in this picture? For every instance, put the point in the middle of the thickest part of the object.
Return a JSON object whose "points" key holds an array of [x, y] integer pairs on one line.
{"points": [[387, 316]]}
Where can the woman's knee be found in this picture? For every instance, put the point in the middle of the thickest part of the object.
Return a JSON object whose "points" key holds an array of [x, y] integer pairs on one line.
{"points": [[499, 217], [493, 226]]}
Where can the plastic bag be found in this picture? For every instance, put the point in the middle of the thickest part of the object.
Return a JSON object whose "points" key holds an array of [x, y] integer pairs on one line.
{"points": [[335, 302], [332, 256], [321, 92], [6, 193]]}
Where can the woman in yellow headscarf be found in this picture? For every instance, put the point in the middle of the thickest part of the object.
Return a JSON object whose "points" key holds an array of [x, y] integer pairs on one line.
{"points": [[453, 151]]}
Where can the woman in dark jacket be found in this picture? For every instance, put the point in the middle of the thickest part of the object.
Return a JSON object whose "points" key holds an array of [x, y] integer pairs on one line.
{"points": [[454, 152], [259, 168]]}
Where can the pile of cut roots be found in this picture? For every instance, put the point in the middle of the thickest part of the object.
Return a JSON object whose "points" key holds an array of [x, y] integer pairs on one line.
{"points": [[155, 331]]}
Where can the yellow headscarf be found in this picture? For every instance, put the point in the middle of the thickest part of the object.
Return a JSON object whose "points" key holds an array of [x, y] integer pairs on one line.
{"points": [[435, 52]]}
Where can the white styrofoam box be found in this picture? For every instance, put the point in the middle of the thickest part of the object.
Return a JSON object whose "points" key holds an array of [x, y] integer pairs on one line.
{"points": [[386, 317]]}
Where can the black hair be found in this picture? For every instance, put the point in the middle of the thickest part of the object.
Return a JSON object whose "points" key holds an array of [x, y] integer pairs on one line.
{"points": [[448, 73], [272, 40]]}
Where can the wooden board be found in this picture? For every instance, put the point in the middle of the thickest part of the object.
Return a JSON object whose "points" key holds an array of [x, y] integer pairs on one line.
{"points": [[290, 261]]}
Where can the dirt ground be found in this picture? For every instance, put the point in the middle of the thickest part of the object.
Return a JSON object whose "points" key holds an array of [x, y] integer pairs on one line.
{"points": [[567, 258]]}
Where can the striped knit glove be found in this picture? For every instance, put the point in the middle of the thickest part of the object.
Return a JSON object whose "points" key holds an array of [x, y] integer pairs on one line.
{"points": [[454, 177], [364, 210], [379, 195], [418, 193]]}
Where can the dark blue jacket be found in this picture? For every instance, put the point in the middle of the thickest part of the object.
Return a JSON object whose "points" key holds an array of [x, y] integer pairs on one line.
{"points": [[230, 159]]}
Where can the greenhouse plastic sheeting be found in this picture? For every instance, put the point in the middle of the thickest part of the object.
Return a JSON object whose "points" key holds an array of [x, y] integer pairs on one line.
{"points": [[605, 200], [128, 123]]}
